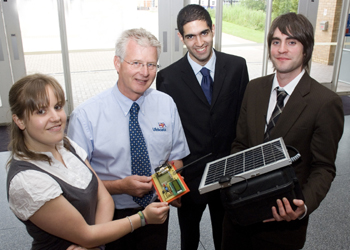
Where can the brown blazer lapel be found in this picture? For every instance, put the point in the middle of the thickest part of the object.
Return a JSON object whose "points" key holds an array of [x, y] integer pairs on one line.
{"points": [[293, 108], [261, 102]]}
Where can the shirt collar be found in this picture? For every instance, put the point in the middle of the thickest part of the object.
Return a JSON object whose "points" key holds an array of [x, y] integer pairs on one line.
{"points": [[289, 88], [209, 65], [59, 147], [126, 103]]}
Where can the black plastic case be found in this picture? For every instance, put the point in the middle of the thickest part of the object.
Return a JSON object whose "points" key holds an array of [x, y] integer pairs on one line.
{"points": [[250, 201]]}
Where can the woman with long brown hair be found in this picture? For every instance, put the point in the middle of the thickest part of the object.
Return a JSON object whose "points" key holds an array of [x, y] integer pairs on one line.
{"points": [[51, 186]]}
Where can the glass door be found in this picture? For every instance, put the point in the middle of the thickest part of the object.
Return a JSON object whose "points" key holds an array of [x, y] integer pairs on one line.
{"points": [[331, 52], [341, 75], [243, 29], [92, 28], [243, 34]]}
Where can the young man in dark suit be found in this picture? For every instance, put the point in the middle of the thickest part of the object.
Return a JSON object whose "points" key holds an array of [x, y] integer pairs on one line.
{"points": [[311, 121], [208, 104]]}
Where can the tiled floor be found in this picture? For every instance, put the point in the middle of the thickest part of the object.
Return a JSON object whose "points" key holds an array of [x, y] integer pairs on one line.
{"points": [[329, 225]]}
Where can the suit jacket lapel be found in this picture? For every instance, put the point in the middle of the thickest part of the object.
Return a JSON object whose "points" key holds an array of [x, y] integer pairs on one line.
{"points": [[261, 104], [189, 78], [219, 77], [294, 107]]}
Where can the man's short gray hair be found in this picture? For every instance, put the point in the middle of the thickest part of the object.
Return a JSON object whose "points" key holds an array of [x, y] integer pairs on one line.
{"points": [[141, 36]]}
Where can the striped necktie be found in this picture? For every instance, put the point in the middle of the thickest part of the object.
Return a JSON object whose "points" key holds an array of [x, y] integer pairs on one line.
{"points": [[281, 95]]}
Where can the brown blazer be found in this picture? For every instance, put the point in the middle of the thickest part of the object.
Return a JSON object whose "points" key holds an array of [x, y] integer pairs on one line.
{"points": [[312, 122]]}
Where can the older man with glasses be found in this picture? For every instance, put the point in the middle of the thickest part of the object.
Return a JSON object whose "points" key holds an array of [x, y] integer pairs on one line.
{"points": [[120, 130]]}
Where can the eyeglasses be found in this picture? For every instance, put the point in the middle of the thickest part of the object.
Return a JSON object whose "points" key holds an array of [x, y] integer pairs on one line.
{"points": [[139, 65]]}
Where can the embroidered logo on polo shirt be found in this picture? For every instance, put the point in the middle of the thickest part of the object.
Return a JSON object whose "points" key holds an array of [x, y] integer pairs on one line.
{"points": [[161, 127]]}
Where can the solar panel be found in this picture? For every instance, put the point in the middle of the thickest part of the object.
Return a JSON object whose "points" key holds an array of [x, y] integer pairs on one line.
{"points": [[244, 165]]}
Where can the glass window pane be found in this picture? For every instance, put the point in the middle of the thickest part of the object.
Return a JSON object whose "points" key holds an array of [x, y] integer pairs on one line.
{"points": [[40, 37], [326, 32], [243, 32], [92, 29], [243, 29], [344, 73]]}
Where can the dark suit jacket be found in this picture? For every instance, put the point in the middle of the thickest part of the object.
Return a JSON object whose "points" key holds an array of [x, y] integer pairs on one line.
{"points": [[208, 128], [312, 122]]}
